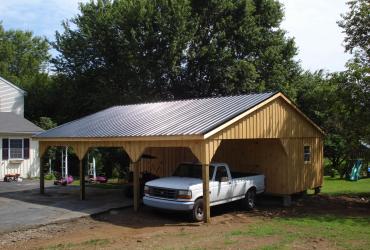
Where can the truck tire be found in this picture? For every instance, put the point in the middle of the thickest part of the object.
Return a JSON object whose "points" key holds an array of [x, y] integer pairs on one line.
{"points": [[198, 212], [249, 201]]}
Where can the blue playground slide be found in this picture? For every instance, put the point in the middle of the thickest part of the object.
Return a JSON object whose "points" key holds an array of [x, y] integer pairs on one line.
{"points": [[356, 169]]}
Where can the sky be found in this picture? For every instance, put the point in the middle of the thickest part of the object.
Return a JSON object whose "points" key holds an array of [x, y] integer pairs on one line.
{"points": [[311, 22]]}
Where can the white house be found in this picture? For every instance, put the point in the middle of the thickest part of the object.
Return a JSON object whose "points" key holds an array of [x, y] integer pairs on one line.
{"points": [[18, 152]]}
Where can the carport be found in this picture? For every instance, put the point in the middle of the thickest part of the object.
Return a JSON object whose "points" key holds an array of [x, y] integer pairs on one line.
{"points": [[263, 133]]}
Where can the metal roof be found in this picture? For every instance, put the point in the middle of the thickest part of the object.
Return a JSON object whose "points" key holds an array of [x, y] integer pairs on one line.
{"points": [[184, 117], [11, 123]]}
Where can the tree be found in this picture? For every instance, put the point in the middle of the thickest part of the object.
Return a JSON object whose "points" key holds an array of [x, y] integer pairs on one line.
{"points": [[324, 98], [238, 47], [46, 123], [124, 51], [317, 97], [356, 26], [23, 61], [339, 102], [22, 56], [355, 84]]}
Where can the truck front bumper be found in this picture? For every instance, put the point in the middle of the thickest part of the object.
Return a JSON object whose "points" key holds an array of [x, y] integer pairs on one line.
{"points": [[167, 204]]}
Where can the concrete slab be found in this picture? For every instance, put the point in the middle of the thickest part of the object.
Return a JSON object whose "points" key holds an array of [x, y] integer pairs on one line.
{"points": [[21, 205]]}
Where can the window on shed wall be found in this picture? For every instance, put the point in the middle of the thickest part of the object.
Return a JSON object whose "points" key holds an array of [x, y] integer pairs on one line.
{"points": [[307, 154]]}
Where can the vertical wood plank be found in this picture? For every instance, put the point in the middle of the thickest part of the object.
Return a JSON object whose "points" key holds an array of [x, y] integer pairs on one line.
{"points": [[206, 201], [136, 185], [42, 178], [82, 181]]}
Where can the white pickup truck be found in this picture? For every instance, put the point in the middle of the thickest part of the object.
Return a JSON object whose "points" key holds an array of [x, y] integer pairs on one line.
{"points": [[184, 190]]}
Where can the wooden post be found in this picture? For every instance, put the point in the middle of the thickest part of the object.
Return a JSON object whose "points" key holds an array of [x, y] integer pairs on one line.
{"points": [[82, 181], [206, 206], [136, 185], [42, 178]]}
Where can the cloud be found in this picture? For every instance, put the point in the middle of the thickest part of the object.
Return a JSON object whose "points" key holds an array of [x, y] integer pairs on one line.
{"points": [[313, 24], [41, 17]]}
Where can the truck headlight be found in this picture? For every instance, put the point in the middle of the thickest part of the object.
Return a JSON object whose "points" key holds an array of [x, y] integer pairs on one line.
{"points": [[184, 194]]}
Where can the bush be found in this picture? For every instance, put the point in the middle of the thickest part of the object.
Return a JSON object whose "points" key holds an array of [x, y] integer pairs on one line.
{"points": [[50, 177]]}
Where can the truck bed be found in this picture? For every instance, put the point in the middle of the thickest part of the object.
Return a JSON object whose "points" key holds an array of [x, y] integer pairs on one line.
{"points": [[240, 174]]}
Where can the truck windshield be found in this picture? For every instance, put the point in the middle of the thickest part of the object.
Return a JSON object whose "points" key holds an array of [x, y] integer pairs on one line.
{"points": [[191, 171]]}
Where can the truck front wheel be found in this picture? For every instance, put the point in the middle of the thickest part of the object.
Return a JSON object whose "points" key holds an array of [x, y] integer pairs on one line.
{"points": [[249, 201], [198, 212]]}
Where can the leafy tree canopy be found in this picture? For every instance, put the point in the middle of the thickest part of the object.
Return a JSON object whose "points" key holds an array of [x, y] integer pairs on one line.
{"points": [[356, 25], [23, 61], [123, 51], [339, 102], [22, 55]]}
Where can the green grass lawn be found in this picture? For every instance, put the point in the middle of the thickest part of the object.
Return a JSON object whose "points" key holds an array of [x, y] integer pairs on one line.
{"points": [[300, 227], [290, 233], [336, 186], [325, 231]]}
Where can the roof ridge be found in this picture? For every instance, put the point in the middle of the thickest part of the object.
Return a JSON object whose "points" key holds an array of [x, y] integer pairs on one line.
{"points": [[195, 99], [144, 114]]}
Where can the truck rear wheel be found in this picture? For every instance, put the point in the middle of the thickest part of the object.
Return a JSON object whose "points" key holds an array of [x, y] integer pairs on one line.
{"points": [[198, 212], [249, 201]]}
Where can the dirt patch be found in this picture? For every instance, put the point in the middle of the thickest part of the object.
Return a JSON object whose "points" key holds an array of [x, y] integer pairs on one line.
{"points": [[151, 229]]}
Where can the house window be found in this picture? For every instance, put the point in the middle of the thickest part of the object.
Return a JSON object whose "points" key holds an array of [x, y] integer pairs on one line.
{"points": [[15, 149], [307, 154]]}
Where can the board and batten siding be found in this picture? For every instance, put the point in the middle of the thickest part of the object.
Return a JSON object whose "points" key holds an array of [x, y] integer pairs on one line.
{"points": [[284, 169], [279, 133], [11, 99], [268, 141], [28, 167], [276, 119]]}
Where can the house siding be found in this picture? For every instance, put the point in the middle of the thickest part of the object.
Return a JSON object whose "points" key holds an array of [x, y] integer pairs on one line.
{"points": [[28, 167], [11, 99]]}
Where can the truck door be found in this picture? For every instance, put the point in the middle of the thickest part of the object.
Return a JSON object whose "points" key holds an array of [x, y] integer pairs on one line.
{"points": [[222, 188]]}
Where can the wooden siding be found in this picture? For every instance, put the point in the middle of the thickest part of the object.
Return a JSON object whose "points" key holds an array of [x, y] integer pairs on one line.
{"points": [[28, 168], [303, 176], [166, 160], [284, 168], [262, 156], [269, 140], [11, 99], [276, 119]]}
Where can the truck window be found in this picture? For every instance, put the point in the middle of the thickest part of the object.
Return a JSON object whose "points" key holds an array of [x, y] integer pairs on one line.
{"points": [[191, 171], [221, 172]]}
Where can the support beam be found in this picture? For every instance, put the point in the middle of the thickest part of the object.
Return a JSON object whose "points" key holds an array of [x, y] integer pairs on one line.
{"points": [[82, 180], [42, 150], [136, 185], [206, 205], [42, 178]]}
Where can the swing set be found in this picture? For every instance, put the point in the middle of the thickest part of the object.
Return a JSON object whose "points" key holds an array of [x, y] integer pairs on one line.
{"points": [[64, 178]]}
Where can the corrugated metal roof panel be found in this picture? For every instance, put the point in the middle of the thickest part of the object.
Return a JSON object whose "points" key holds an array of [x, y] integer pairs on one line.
{"points": [[185, 117]]}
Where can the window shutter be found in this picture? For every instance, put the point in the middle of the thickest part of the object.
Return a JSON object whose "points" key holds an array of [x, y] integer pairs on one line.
{"points": [[5, 149], [26, 148]]}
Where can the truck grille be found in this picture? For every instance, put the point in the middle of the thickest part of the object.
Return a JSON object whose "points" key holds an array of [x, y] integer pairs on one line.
{"points": [[163, 192]]}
